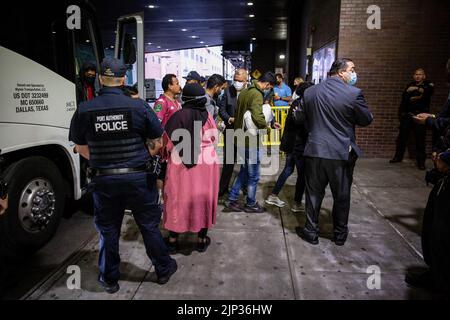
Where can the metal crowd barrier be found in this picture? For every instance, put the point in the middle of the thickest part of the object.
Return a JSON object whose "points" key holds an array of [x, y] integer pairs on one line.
{"points": [[274, 138]]}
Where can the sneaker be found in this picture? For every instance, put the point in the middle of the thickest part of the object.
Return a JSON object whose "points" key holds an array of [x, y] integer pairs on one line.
{"points": [[110, 288], [275, 201], [254, 209], [165, 278], [297, 207], [232, 206]]}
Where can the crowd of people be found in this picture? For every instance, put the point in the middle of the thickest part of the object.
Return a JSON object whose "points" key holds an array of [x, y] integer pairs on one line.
{"points": [[181, 131]]}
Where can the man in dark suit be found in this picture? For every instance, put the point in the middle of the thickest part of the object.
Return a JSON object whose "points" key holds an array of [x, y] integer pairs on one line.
{"points": [[227, 108], [331, 111]]}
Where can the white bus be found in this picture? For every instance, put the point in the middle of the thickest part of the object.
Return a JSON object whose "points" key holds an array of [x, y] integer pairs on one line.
{"points": [[40, 61]]}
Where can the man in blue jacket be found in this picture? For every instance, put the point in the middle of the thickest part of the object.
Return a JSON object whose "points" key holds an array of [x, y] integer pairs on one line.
{"points": [[331, 111]]}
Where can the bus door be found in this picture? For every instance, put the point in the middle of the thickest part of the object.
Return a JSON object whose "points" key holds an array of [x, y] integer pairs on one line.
{"points": [[130, 49]]}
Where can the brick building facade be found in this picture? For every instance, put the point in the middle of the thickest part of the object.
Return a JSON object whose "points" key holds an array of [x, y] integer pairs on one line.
{"points": [[413, 34]]}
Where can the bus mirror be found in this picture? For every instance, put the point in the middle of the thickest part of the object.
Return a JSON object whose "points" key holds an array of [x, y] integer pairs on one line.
{"points": [[129, 50]]}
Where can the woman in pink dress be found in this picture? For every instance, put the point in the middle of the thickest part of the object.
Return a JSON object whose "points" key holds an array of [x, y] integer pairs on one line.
{"points": [[192, 179]]}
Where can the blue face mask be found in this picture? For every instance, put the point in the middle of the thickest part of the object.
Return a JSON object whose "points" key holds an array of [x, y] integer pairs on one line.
{"points": [[353, 79]]}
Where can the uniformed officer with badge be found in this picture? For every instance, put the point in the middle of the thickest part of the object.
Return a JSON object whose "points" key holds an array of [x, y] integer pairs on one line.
{"points": [[416, 99], [111, 131]]}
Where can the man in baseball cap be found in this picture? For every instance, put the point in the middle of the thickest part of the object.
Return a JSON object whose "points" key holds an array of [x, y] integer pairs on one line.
{"points": [[193, 77], [112, 67], [111, 132]]}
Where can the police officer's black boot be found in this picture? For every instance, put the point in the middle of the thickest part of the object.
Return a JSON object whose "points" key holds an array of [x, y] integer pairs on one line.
{"points": [[395, 160], [163, 279], [398, 156]]}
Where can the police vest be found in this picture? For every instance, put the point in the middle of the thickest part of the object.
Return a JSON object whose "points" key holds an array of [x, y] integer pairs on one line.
{"points": [[113, 139]]}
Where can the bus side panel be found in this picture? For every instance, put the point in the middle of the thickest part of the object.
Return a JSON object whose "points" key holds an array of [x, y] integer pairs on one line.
{"points": [[36, 107], [33, 94]]}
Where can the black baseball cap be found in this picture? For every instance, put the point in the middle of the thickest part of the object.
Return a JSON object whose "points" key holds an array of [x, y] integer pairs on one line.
{"points": [[193, 75], [112, 67], [269, 77]]}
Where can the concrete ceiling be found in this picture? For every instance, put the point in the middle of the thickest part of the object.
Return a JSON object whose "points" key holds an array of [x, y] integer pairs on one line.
{"points": [[206, 22]]}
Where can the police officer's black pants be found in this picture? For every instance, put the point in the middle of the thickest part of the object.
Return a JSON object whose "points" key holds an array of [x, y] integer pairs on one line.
{"points": [[407, 125], [112, 194], [319, 173]]}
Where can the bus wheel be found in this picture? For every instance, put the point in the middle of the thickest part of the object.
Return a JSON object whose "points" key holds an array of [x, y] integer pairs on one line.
{"points": [[36, 202]]}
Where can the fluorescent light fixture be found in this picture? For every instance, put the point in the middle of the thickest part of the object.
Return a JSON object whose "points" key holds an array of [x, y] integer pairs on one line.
{"points": [[151, 6], [194, 37], [253, 39], [202, 42], [112, 47], [249, 4], [282, 57], [251, 15], [184, 30], [170, 20]]}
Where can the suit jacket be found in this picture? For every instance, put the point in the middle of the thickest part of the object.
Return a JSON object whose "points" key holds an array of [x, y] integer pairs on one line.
{"points": [[227, 105], [332, 110]]}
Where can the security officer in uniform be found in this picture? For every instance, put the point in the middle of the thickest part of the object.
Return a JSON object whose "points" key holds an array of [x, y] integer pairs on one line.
{"points": [[416, 99], [111, 131]]}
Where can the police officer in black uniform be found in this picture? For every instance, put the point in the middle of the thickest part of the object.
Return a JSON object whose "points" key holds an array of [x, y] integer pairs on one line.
{"points": [[416, 99], [436, 219], [111, 131]]}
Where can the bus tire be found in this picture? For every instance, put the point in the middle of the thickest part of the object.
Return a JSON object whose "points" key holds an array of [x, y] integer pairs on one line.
{"points": [[36, 203]]}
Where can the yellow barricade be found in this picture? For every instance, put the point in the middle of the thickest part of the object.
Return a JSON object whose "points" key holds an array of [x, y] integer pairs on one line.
{"points": [[274, 138]]}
